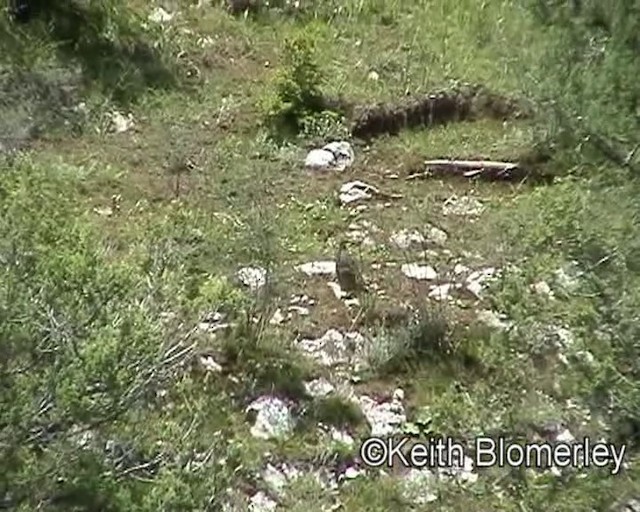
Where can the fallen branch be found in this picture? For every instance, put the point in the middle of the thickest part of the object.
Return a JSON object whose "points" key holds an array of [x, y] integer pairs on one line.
{"points": [[471, 169]]}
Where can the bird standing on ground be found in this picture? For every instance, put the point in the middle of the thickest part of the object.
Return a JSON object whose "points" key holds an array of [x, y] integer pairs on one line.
{"points": [[347, 272]]}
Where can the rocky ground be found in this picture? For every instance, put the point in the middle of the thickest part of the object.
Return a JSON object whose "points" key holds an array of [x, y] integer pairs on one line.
{"points": [[477, 317]]}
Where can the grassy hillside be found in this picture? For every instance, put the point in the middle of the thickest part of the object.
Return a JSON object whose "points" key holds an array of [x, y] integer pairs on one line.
{"points": [[147, 156]]}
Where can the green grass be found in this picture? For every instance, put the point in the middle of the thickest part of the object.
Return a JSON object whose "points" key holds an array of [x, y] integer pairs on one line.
{"points": [[85, 298]]}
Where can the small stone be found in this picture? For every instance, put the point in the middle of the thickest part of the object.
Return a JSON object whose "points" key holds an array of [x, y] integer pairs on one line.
{"points": [[405, 239], [316, 268], [253, 277], [274, 419], [542, 288], [419, 272]]}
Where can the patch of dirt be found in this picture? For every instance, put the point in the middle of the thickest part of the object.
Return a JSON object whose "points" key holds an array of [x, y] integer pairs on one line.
{"points": [[458, 104]]}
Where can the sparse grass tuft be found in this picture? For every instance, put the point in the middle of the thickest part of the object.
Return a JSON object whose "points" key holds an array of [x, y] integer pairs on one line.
{"points": [[335, 411]]}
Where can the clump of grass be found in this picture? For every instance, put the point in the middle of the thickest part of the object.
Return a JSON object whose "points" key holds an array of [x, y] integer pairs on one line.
{"points": [[335, 411], [427, 335]]}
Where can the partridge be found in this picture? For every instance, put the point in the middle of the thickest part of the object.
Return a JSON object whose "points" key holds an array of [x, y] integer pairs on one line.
{"points": [[349, 277]]}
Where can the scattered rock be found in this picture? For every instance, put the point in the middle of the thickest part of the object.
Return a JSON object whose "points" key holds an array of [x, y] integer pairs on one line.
{"points": [[333, 348], [441, 292], [418, 486], [494, 320], [343, 438], [542, 288], [318, 268], [406, 239], [302, 300], [277, 478], [253, 277], [210, 364], [461, 269], [299, 310], [159, 15], [335, 156], [463, 206], [121, 123], [103, 211], [554, 337], [360, 237], [420, 272], [260, 502], [356, 191], [460, 471], [278, 317], [319, 388], [568, 277], [274, 419], [385, 418], [351, 473], [477, 281], [213, 323], [437, 236], [632, 505]]}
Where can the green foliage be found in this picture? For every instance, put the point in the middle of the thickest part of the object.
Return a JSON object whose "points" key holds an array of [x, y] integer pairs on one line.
{"points": [[326, 125], [295, 94], [84, 350], [587, 80], [105, 40]]}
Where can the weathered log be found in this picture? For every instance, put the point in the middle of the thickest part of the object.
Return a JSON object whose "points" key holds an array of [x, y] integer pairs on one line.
{"points": [[471, 169]]}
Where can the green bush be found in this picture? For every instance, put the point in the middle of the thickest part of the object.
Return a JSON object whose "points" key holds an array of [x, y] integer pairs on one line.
{"points": [[295, 95], [587, 79]]}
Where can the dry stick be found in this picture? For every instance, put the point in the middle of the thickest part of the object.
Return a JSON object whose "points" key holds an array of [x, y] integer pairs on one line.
{"points": [[468, 168]]}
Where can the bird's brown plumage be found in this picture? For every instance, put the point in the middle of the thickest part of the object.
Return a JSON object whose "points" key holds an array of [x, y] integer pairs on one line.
{"points": [[347, 272]]}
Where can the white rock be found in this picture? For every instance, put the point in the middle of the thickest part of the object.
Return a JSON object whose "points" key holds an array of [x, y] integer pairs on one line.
{"points": [[319, 388], [568, 277], [335, 156], [374, 76], [299, 310], [462, 206], [317, 268], [460, 269], [159, 15], [337, 436], [565, 436], [274, 419], [419, 485], [277, 478], [260, 502], [121, 123], [417, 271], [461, 471], [477, 281], [277, 318], [385, 418], [441, 292], [210, 364], [398, 395], [253, 277], [319, 159], [542, 288], [356, 191], [405, 239], [493, 320], [352, 473], [327, 350], [437, 236]]}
